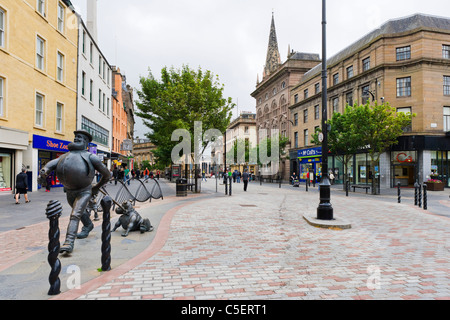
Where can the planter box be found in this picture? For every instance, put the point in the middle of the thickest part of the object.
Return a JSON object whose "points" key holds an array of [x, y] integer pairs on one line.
{"points": [[435, 186]]}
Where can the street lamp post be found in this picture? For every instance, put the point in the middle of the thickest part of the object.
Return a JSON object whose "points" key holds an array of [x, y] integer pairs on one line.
{"points": [[325, 210]]}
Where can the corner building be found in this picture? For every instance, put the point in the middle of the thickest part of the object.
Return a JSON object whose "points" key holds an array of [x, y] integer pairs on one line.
{"points": [[38, 85], [405, 62]]}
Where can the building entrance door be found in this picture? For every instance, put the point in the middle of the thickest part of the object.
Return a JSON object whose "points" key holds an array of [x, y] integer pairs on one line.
{"points": [[405, 174]]}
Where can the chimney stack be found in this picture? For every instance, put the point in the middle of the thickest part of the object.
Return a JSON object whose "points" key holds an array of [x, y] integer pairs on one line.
{"points": [[91, 22]]}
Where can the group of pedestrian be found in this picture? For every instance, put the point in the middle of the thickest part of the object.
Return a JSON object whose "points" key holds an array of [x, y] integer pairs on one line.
{"points": [[236, 176]]}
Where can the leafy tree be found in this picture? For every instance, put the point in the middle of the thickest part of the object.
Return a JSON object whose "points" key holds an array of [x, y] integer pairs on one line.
{"points": [[265, 148], [374, 128], [380, 127], [176, 101]]}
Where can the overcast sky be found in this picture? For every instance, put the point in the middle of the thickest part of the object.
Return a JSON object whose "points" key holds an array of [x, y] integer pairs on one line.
{"points": [[230, 37]]}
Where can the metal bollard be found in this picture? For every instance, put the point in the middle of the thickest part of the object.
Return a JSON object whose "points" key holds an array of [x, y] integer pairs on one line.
{"points": [[307, 180], [280, 180], [399, 193], [420, 195], [425, 200], [231, 182], [53, 212], [106, 204], [226, 185], [347, 187], [416, 196]]}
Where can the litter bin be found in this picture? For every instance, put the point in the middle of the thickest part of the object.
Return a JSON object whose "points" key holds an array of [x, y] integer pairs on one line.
{"points": [[181, 187]]}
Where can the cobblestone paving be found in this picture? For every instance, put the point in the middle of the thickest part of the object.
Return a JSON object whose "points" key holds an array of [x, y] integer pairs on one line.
{"points": [[256, 245]]}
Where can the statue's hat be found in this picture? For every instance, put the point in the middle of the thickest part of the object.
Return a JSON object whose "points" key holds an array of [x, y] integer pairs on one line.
{"points": [[87, 134]]}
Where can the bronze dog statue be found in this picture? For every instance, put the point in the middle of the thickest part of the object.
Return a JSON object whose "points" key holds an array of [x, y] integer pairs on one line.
{"points": [[130, 220]]}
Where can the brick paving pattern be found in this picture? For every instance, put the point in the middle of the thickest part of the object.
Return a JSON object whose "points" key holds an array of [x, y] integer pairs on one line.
{"points": [[256, 245]]}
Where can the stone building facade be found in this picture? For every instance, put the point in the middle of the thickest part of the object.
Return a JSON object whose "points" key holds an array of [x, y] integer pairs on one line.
{"points": [[405, 62], [273, 92]]}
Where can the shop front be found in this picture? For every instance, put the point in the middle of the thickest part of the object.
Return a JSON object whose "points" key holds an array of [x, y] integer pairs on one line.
{"points": [[13, 143], [309, 161], [49, 149], [404, 168]]}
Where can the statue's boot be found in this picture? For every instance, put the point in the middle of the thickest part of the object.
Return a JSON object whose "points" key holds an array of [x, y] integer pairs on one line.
{"points": [[87, 227], [72, 229]]}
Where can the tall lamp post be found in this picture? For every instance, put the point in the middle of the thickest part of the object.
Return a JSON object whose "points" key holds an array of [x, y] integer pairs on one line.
{"points": [[325, 210]]}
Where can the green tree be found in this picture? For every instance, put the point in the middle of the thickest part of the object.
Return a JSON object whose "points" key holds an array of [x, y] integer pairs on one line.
{"points": [[176, 101], [343, 141], [374, 128], [380, 127]]}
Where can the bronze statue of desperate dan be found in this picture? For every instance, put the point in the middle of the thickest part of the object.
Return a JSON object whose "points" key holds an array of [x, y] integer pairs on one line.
{"points": [[76, 171]]}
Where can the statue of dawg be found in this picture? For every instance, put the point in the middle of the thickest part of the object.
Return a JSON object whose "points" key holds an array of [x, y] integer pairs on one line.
{"points": [[130, 220]]}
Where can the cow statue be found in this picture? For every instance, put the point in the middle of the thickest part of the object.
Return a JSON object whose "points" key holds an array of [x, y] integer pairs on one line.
{"points": [[130, 220]]}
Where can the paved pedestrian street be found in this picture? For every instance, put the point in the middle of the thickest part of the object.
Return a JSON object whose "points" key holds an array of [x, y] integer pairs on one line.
{"points": [[256, 245]]}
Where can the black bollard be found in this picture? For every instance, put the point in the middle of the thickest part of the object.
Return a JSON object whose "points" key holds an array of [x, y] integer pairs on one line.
{"points": [[425, 200], [230, 186], [420, 195], [347, 186], [307, 182], [226, 184], [106, 204], [416, 191], [53, 212], [398, 193], [280, 180]]}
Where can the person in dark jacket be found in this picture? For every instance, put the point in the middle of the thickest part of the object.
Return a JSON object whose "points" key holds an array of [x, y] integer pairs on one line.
{"points": [[22, 186], [245, 178]]}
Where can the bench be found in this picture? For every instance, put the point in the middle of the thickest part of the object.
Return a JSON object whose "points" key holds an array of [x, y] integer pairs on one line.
{"points": [[189, 186], [360, 187]]}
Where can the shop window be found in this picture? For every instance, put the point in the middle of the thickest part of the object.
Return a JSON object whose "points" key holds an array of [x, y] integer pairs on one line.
{"points": [[5, 172]]}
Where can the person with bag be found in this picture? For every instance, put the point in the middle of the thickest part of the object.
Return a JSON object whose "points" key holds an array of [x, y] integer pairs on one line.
{"points": [[22, 185], [245, 176]]}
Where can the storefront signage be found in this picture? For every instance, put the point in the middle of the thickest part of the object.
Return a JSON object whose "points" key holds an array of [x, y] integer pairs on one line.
{"points": [[403, 157], [310, 153], [51, 144]]}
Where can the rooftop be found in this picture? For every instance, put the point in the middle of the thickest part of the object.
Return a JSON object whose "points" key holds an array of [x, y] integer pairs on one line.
{"points": [[396, 26]]}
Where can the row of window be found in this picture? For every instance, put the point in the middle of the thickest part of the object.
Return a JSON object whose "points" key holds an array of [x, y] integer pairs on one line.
{"points": [[403, 85], [39, 120], [446, 119], [103, 101], [103, 71], [41, 7], [99, 134]]}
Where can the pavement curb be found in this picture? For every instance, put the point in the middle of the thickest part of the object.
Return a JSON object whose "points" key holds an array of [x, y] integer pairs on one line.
{"points": [[327, 224]]}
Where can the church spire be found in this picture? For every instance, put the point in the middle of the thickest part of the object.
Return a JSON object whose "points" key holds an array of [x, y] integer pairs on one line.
{"points": [[273, 55]]}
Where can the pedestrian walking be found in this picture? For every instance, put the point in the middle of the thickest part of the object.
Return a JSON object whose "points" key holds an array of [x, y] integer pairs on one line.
{"points": [[22, 185], [115, 175], [332, 177], [48, 182], [203, 175], [245, 176], [126, 177]]}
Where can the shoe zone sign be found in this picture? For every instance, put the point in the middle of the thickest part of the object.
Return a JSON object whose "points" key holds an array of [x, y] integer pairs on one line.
{"points": [[310, 155]]}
